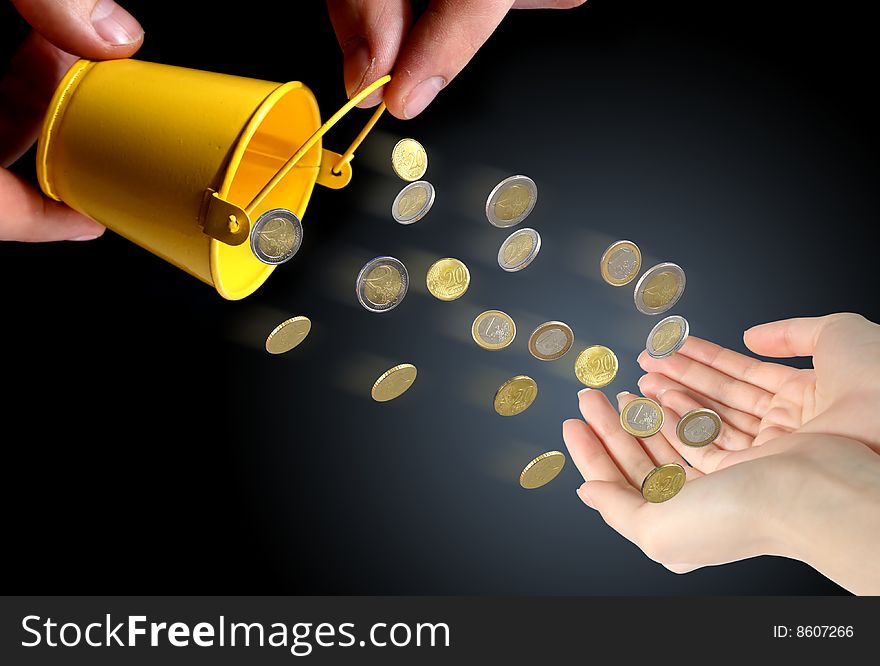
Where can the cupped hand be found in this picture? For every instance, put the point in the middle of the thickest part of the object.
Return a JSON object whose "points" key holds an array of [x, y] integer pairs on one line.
{"points": [[377, 36], [95, 29]]}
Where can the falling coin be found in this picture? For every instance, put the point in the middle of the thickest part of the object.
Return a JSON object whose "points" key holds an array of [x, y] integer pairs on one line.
{"points": [[409, 160], [663, 483], [620, 263], [382, 284], [699, 427], [515, 395], [519, 250], [276, 236], [493, 330], [551, 340], [413, 202], [659, 289], [448, 279], [642, 417], [288, 334], [394, 383], [511, 201], [542, 470], [667, 337], [596, 366]]}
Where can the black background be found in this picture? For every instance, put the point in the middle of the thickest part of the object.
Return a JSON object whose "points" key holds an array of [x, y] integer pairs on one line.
{"points": [[153, 446]]}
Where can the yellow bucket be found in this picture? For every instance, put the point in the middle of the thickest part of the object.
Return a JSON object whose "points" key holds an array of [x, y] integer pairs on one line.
{"points": [[182, 161]]}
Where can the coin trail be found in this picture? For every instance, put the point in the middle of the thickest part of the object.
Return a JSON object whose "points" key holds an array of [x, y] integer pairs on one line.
{"points": [[409, 160], [288, 334], [394, 382], [448, 279], [663, 483], [667, 337], [596, 366], [515, 395], [551, 341], [519, 250], [620, 263], [542, 470], [699, 427], [511, 201], [382, 284], [642, 417], [493, 330], [413, 202]]}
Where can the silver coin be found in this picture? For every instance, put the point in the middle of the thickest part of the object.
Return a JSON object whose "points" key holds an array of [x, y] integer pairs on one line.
{"points": [[699, 427], [667, 337], [382, 284], [276, 236], [494, 331], [413, 202], [643, 418], [511, 201], [659, 289], [519, 250]]}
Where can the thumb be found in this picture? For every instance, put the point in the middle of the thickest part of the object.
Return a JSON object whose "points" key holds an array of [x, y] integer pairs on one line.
{"points": [[793, 337], [96, 29]]}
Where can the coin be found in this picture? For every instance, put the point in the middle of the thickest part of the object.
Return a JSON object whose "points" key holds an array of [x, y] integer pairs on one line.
{"points": [[276, 236], [382, 284], [288, 334], [663, 483], [493, 330], [515, 395], [542, 470], [620, 263], [409, 159], [394, 382], [642, 417], [699, 427], [511, 201], [448, 279], [659, 289], [519, 250], [413, 202], [667, 337], [551, 340], [596, 366]]}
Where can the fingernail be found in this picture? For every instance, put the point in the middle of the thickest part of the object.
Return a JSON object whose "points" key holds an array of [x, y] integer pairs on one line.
{"points": [[422, 95], [357, 64], [621, 394], [585, 498], [84, 238], [115, 25], [582, 391]]}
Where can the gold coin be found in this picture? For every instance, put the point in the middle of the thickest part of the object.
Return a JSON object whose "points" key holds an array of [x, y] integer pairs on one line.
{"points": [[493, 330], [288, 334], [382, 285], [551, 341], [394, 383], [448, 279], [642, 417], [542, 470], [409, 160], [663, 483], [515, 395], [621, 263], [699, 427], [596, 366], [659, 288]]}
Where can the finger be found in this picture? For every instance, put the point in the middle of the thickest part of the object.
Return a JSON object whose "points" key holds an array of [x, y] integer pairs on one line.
{"points": [[442, 42], [706, 459], [794, 337], [588, 454], [96, 29], [370, 34], [729, 438], [28, 216], [659, 450], [768, 376], [655, 385], [625, 451], [619, 503], [708, 381]]}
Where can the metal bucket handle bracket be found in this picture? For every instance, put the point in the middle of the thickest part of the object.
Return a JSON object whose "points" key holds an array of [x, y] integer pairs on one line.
{"points": [[231, 224]]}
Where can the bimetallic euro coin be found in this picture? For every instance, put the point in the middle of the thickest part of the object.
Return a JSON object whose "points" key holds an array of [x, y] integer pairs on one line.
{"points": [[659, 289], [448, 279], [288, 334], [394, 382], [542, 470], [409, 160], [519, 250], [620, 263], [699, 427], [382, 284], [642, 417], [596, 366], [663, 483], [515, 395], [667, 337], [493, 330], [276, 236], [511, 201], [551, 340], [413, 202]]}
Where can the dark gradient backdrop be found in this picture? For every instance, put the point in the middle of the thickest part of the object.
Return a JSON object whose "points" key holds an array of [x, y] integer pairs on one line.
{"points": [[153, 446]]}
